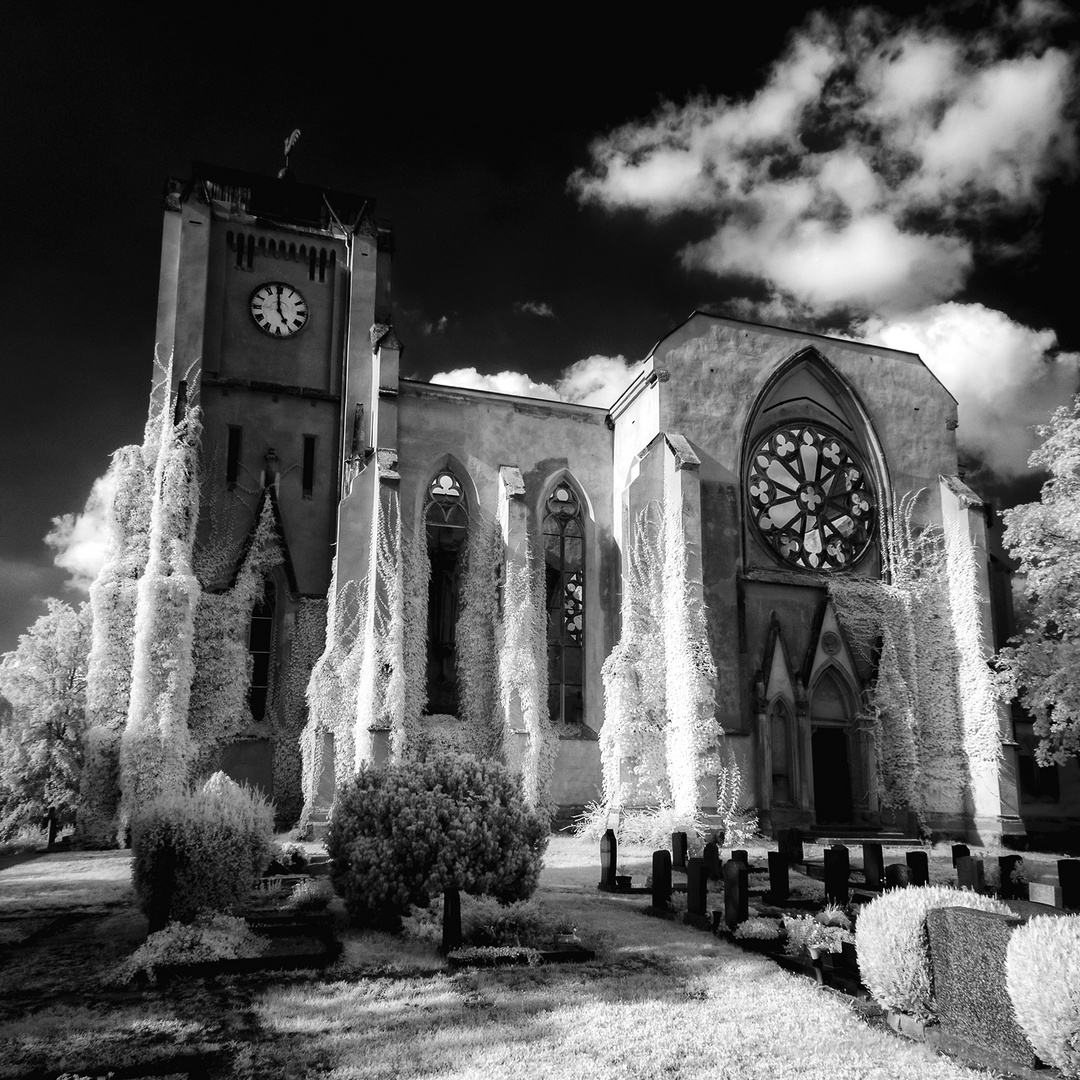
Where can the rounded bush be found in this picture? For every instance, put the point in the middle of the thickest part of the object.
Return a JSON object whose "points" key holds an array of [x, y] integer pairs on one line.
{"points": [[218, 842], [1042, 973], [402, 834], [893, 949]]}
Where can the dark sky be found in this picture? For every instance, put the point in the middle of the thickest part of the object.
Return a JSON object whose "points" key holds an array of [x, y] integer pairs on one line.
{"points": [[465, 136]]}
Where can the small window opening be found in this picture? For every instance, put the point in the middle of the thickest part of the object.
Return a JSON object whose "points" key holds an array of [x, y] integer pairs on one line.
{"points": [[232, 457], [309, 466], [260, 645]]}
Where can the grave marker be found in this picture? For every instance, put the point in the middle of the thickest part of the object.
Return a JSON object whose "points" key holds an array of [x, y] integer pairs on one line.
{"points": [[451, 920], [897, 875], [919, 865], [661, 879], [790, 843], [741, 856], [679, 849], [1009, 888], [736, 890], [958, 852], [697, 887], [609, 860], [1069, 880], [713, 865], [1040, 893], [779, 885], [873, 861], [837, 869], [970, 874]]}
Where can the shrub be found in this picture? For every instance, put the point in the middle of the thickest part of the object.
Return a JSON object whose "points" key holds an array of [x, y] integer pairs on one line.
{"points": [[805, 932], [1042, 973], [311, 894], [222, 838], [894, 953], [486, 922], [759, 928], [402, 834]]}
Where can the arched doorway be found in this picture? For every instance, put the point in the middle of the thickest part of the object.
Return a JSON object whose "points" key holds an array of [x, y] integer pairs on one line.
{"points": [[831, 750]]}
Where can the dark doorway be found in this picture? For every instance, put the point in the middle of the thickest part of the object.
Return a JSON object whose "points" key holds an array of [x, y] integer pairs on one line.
{"points": [[832, 775]]}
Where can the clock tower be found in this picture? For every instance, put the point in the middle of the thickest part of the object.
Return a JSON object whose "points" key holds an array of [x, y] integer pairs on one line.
{"points": [[272, 294]]}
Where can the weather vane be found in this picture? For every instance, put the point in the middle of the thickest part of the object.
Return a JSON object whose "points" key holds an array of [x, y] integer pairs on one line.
{"points": [[290, 142]]}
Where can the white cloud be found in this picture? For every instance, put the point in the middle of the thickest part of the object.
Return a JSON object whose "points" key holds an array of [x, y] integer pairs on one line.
{"points": [[1007, 378], [533, 307], [596, 380], [81, 540]]}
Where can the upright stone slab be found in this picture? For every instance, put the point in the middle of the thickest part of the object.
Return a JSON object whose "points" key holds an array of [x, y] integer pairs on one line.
{"points": [[789, 842], [451, 921], [679, 850], [741, 856], [970, 874], [873, 861], [1040, 893], [713, 864], [1069, 880], [967, 952], [779, 885], [661, 879], [736, 893], [609, 860], [919, 865], [958, 852], [1008, 869], [837, 871], [897, 875], [697, 887]]}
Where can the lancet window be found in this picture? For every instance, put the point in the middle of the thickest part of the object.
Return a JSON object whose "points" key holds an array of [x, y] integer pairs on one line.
{"points": [[447, 522], [261, 645], [564, 558]]}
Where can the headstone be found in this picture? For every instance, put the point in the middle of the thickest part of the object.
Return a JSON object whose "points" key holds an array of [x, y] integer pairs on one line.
{"points": [[873, 861], [958, 852], [679, 849], [451, 920], [970, 874], [162, 884], [609, 860], [741, 856], [1008, 866], [736, 893], [919, 865], [967, 953], [789, 842], [837, 869], [1069, 880], [1039, 893], [897, 875], [779, 886], [713, 864], [697, 887], [661, 879], [52, 824]]}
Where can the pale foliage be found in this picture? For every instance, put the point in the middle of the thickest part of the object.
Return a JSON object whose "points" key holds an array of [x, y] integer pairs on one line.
{"points": [[1041, 666], [1042, 974]]}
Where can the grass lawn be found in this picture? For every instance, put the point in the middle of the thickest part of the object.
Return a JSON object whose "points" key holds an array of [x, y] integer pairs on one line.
{"points": [[660, 1000]]}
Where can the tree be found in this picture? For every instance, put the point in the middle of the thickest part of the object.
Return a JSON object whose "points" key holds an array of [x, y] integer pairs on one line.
{"points": [[41, 742], [1041, 666]]}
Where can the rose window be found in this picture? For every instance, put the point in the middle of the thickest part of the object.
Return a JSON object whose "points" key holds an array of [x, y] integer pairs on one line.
{"points": [[810, 498]]}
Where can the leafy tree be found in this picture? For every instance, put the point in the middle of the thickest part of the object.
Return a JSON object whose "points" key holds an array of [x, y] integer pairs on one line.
{"points": [[41, 741], [1042, 665]]}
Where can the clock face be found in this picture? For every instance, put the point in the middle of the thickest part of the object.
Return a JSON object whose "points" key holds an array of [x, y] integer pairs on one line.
{"points": [[278, 309]]}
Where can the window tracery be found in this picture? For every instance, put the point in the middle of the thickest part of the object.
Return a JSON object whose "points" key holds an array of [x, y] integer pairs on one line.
{"points": [[447, 520], [564, 558]]}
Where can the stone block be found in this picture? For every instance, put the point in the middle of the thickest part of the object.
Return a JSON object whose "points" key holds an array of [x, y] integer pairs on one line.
{"points": [[697, 887], [609, 860], [661, 879], [1069, 880], [837, 870], [897, 875], [736, 893], [779, 884], [679, 850], [970, 874], [713, 864], [958, 852], [873, 861], [1041, 893], [919, 865]]}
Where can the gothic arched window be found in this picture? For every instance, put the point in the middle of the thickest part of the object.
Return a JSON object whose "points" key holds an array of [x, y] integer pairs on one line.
{"points": [[810, 497], [447, 521], [564, 559], [780, 732], [261, 647]]}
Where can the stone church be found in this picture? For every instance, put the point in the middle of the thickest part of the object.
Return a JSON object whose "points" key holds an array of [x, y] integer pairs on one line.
{"points": [[788, 454]]}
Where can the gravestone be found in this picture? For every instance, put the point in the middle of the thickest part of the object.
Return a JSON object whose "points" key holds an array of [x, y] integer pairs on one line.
{"points": [[736, 893], [970, 874], [873, 861], [1040, 893], [837, 869], [789, 842], [741, 856], [967, 953], [779, 886], [919, 865], [609, 860], [451, 920], [713, 865], [1010, 889], [661, 879], [958, 852], [697, 887], [1069, 880], [897, 875], [679, 849]]}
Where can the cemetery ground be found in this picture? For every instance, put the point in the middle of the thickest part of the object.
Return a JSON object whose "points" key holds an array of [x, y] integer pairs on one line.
{"points": [[660, 999]]}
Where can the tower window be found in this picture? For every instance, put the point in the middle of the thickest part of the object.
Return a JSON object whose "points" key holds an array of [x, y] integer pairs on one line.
{"points": [[309, 466], [232, 457], [447, 521], [564, 557], [260, 645]]}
